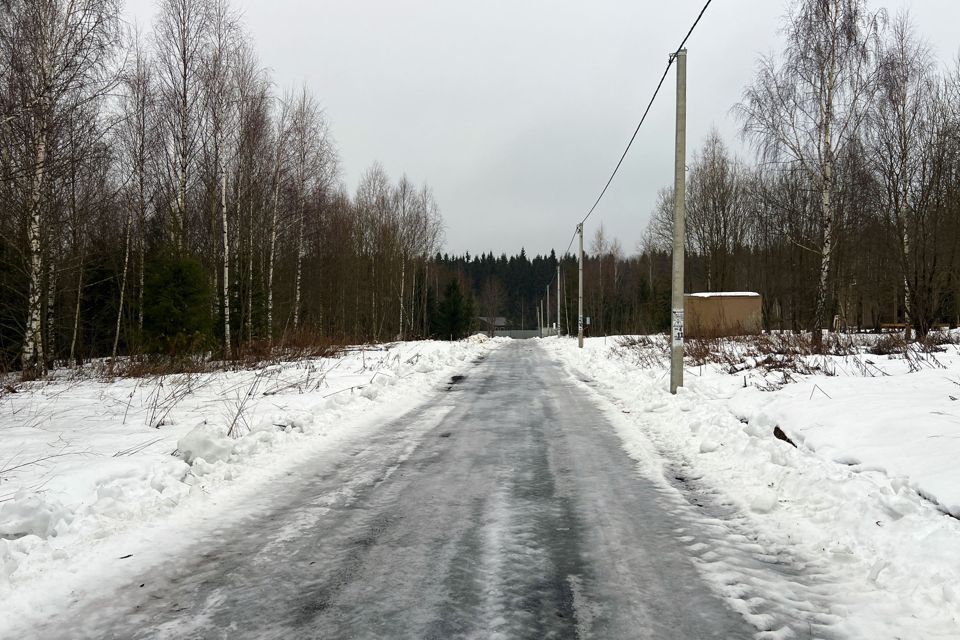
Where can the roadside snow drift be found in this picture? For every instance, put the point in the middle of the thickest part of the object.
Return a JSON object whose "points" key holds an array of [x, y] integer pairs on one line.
{"points": [[82, 459], [857, 521]]}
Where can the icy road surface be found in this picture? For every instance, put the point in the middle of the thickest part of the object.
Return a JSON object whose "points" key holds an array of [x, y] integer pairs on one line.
{"points": [[503, 508]]}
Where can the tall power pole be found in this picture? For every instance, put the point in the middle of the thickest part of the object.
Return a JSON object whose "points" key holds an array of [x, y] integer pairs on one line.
{"points": [[679, 230], [580, 286], [558, 299], [548, 309]]}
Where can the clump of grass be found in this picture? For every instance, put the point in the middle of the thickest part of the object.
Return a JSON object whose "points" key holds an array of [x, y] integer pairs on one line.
{"points": [[937, 341], [648, 352], [889, 344]]}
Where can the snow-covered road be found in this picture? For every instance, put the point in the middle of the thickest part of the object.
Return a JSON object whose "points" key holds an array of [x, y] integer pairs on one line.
{"points": [[505, 506]]}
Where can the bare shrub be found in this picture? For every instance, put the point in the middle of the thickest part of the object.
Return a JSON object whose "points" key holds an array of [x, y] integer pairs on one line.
{"points": [[889, 344], [936, 341]]}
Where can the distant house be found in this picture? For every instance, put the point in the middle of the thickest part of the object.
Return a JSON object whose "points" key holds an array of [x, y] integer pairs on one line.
{"points": [[498, 323], [722, 313]]}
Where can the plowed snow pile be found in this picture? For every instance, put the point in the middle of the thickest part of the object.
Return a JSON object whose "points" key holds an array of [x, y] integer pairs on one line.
{"points": [[863, 510]]}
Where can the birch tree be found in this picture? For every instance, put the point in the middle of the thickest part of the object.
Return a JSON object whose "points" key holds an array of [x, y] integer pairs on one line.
{"points": [[181, 30], [136, 142], [313, 169], [904, 138], [804, 105], [253, 168], [282, 132], [220, 110]]}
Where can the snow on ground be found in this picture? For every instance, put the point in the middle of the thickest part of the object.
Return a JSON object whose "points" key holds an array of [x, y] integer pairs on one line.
{"points": [[859, 509], [82, 459]]}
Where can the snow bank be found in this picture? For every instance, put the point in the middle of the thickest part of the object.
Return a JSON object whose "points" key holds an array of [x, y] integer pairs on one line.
{"points": [[850, 511], [904, 425], [81, 460]]}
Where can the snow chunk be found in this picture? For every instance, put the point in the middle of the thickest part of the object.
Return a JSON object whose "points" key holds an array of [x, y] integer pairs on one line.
{"points": [[764, 501], [709, 445], [31, 514], [205, 441]]}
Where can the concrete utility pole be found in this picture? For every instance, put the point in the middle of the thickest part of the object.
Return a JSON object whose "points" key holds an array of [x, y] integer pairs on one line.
{"points": [[548, 309], [558, 300], [580, 285], [541, 317], [679, 221]]}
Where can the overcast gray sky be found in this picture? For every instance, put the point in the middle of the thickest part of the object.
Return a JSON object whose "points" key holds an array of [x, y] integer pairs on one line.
{"points": [[515, 111]]}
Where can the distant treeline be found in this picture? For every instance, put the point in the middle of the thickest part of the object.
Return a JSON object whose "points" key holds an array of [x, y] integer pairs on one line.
{"points": [[621, 295]]}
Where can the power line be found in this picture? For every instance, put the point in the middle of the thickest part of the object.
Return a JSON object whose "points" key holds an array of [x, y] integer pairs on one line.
{"points": [[643, 119], [572, 238], [646, 112]]}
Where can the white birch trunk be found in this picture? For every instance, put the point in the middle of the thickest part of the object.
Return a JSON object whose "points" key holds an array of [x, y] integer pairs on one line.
{"points": [[826, 201], [403, 276], [32, 339], [226, 261], [827, 213], [373, 297], [271, 257], [49, 342], [143, 270], [250, 279], [905, 260], [76, 313], [299, 275], [123, 285]]}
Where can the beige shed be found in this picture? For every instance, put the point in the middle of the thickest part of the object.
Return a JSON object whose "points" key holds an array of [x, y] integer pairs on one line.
{"points": [[722, 313]]}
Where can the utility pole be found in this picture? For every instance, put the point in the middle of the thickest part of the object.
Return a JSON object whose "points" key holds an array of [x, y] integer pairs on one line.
{"points": [[558, 299], [548, 309], [679, 230], [541, 317], [580, 285]]}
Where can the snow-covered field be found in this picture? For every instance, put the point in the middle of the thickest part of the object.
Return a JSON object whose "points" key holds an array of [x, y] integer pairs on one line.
{"points": [[83, 460], [865, 506]]}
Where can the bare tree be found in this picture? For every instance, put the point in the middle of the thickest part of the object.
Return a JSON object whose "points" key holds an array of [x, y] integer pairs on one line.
{"points": [[716, 219], [313, 169], [282, 132], [252, 168], [904, 138], [406, 207], [181, 30], [804, 106], [136, 141], [220, 99], [374, 205]]}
